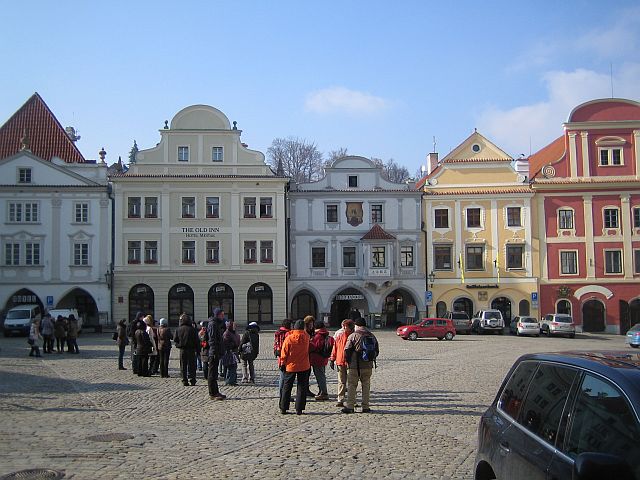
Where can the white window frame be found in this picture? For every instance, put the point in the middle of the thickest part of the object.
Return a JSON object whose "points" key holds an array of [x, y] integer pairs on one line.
{"points": [[134, 207], [355, 256], [576, 262], [188, 252], [609, 151], [183, 153], [449, 246], [377, 206], [607, 264], [12, 254], [25, 175], [520, 216], [266, 251], [266, 207], [150, 207], [466, 256], [213, 207], [81, 212], [404, 249], [250, 251], [217, 154], [23, 212], [448, 210], [378, 252], [213, 251], [249, 207], [32, 255], [81, 254], [326, 213], [522, 256], [635, 217], [573, 218], [324, 256], [186, 205], [466, 218], [355, 179], [150, 252], [134, 259], [611, 208]]}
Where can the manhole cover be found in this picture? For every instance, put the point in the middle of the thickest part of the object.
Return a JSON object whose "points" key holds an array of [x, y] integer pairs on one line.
{"points": [[34, 474], [110, 437]]}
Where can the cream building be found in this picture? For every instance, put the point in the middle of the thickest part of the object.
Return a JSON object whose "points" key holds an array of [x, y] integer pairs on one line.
{"points": [[200, 223], [478, 217]]}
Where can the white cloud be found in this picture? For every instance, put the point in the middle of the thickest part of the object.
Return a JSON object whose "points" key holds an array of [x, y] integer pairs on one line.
{"points": [[538, 124], [617, 40], [341, 99]]}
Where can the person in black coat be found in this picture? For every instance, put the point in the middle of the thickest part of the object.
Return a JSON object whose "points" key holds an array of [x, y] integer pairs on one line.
{"points": [[186, 340], [216, 350], [249, 348]]}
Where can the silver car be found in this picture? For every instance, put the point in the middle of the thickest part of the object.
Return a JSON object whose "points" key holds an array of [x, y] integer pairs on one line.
{"points": [[558, 324], [525, 326]]}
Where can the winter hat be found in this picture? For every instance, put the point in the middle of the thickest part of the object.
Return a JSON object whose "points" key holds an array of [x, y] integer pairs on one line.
{"points": [[253, 324], [216, 311], [299, 325], [163, 322], [361, 322]]}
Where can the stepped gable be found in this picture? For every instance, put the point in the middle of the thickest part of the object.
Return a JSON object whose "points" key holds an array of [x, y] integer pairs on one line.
{"points": [[378, 233], [45, 136]]}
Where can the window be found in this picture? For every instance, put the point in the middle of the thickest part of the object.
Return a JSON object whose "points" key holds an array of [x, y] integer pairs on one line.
{"points": [[610, 156], [133, 249], [515, 389], [378, 257], [514, 217], [249, 252], [475, 258], [442, 257], [542, 409], [636, 217], [133, 207], [636, 261], [266, 210], [611, 218], [213, 207], [189, 251], [213, 251], [565, 219], [603, 422], [318, 257], [441, 218], [81, 254], [266, 251], [473, 218], [569, 262], [23, 212], [250, 207], [188, 207], [12, 254], [613, 261], [151, 251], [349, 257], [81, 214], [24, 175], [332, 213], [151, 207], [376, 213], [515, 253], [353, 181], [406, 256], [217, 154], [32, 253], [183, 154]]}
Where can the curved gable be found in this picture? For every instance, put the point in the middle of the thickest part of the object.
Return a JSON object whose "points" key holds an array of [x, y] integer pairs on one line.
{"points": [[353, 161], [200, 117], [606, 110]]}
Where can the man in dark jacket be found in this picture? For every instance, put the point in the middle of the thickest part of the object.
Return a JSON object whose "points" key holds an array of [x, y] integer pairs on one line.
{"points": [[186, 340], [216, 349]]}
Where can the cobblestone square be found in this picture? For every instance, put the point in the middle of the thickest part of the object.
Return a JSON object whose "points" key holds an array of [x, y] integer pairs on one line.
{"points": [[69, 413]]}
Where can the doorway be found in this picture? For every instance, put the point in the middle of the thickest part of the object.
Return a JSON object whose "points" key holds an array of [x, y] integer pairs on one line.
{"points": [[504, 305], [593, 316]]}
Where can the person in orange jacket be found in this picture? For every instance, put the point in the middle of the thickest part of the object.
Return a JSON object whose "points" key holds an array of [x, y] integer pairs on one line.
{"points": [[294, 360], [337, 358]]}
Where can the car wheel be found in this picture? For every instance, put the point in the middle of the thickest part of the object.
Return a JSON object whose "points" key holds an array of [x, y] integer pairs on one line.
{"points": [[413, 336], [573, 335], [449, 336]]}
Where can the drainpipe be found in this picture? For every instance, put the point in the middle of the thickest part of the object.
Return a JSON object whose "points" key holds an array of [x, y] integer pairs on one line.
{"points": [[113, 247], [287, 246]]}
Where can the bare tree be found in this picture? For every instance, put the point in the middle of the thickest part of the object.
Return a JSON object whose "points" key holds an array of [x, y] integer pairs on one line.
{"points": [[392, 171], [297, 158], [336, 154]]}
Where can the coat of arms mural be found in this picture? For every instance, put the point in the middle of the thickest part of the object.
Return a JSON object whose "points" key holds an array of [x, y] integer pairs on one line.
{"points": [[354, 213]]}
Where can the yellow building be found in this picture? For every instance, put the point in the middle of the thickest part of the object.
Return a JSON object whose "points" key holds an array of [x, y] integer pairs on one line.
{"points": [[477, 218]]}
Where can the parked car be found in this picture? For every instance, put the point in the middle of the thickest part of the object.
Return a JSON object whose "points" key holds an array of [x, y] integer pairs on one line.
{"points": [[19, 319], [633, 336], [525, 325], [487, 321], [65, 312], [566, 415], [460, 320], [428, 328], [558, 324]]}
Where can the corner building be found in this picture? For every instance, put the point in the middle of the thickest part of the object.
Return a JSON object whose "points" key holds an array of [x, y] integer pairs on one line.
{"points": [[200, 224]]}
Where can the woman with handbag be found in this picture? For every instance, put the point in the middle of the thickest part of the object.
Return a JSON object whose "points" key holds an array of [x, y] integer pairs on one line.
{"points": [[249, 348], [34, 336]]}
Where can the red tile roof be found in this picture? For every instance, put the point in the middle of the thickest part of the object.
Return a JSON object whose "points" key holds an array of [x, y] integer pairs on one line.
{"points": [[378, 233], [478, 191], [45, 135], [549, 154]]}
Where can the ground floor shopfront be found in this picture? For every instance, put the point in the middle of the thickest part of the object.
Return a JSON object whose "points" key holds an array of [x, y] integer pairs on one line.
{"points": [[244, 298], [610, 307], [512, 299], [397, 302]]}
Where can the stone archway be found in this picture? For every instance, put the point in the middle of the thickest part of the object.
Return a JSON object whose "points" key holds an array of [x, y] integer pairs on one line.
{"points": [[504, 305], [463, 304], [593, 316], [304, 303]]}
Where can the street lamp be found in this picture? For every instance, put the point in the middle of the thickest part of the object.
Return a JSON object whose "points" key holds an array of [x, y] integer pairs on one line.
{"points": [[432, 278]]}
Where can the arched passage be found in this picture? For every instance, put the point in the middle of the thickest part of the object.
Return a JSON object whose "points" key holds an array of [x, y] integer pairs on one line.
{"points": [[593, 316], [343, 302], [82, 301], [221, 296], [396, 308], [304, 303], [180, 301], [504, 305], [141, 299], [23, 296], [260, 304], [463, 304]]}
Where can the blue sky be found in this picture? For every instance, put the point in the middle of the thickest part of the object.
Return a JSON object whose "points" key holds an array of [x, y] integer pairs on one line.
{"points": [[379, 78]]}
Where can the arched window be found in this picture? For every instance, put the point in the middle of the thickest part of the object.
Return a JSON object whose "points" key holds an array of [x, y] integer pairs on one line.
{"points": [[441, 309], [260, 303], [524, 308], [221, 296], [563, 306], [180, 301], [141, 299]]}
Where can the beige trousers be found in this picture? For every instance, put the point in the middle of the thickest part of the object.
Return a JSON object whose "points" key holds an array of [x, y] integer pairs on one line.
{"points": [[352, 385], [342, 381]]}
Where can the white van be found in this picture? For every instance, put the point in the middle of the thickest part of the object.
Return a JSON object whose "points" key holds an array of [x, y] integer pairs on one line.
{"points": [[65, 312], [19, 319]]}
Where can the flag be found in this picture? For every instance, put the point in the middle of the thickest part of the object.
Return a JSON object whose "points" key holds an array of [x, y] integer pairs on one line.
{"points": [[461, 263], [498, 265]]}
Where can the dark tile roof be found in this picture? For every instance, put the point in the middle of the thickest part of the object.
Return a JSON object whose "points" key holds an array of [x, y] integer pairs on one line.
{"points": [[45, 135], [378, 233]]}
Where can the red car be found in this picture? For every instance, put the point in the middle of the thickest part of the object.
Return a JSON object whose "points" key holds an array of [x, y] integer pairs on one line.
{"points": [[428, 328]]}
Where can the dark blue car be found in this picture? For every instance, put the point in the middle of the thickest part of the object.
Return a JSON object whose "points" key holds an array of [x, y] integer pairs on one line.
{"points": [[567, 415]]}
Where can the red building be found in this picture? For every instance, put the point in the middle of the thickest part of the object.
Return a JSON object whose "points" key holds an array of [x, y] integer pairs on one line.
{"points": [[587, 185]]}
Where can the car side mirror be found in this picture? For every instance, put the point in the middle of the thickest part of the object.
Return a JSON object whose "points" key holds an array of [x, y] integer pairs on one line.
{"points": [[596, 466]]}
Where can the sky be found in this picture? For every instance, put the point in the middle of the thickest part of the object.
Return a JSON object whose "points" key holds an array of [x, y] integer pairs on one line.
{"points": [[381, 79]]}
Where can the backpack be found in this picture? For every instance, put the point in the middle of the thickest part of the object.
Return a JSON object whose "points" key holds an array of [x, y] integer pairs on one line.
{"points": [[327, 347], [278, 340], [369, 348]]}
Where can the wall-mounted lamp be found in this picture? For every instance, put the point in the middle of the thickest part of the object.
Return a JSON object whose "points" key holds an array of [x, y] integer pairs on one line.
{"points": [[432, 278], [495, 263]]}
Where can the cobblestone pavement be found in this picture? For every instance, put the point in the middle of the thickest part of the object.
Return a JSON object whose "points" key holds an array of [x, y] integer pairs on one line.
{"points": [[427, 397]]}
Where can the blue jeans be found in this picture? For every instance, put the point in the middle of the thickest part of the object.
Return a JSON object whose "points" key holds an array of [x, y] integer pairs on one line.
{"points": [[231, 374], [321, 378]]}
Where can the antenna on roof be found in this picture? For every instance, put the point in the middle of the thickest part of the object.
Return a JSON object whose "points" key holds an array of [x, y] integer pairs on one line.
{"points": [[434, 144]]}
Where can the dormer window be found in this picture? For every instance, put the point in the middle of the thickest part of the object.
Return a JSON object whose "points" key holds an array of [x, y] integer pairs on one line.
{"points": [[610, 151], [24, 175], [353, 181], [183, 154]]}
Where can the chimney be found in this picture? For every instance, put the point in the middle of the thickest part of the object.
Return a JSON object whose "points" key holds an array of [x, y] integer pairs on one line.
{"points": [[432, 163]]}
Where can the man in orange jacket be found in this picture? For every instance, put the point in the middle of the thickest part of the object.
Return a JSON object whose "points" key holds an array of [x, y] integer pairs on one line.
{"points": [[294, 361]]}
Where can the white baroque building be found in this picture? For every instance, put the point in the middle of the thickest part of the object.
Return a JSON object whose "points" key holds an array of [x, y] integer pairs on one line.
{"points": [[356, 242], [200, 224]]}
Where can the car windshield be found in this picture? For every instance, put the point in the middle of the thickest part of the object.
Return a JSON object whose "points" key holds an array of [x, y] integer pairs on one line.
{"points": [[492, 315], [563, 319], [16, 314], [528, 320], [459, 316]]}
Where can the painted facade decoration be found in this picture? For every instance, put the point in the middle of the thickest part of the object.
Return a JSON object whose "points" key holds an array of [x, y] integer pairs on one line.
{"points": [[587, 186]]}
